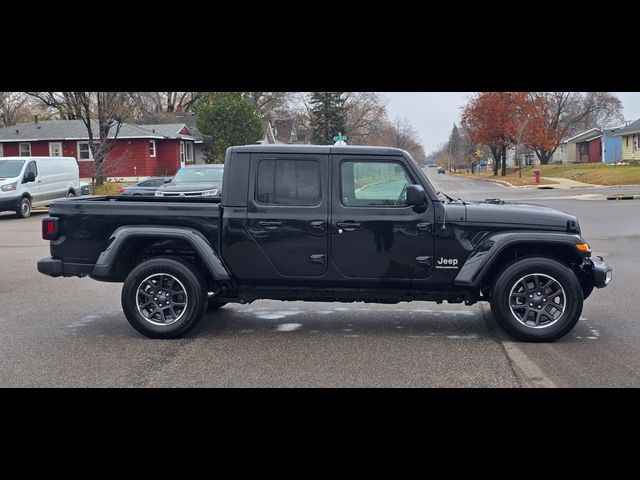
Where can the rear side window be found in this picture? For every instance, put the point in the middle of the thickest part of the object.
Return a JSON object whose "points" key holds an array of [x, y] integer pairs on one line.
{"points": [[288, 182]]}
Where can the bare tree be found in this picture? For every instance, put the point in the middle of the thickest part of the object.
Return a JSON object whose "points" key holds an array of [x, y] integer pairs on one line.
{"points": [[365, 114], [14, 108], [102, 113], [559, 114]]}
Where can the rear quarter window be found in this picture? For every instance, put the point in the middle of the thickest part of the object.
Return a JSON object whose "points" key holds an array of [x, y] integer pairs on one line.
{"points": [[289, 182]]}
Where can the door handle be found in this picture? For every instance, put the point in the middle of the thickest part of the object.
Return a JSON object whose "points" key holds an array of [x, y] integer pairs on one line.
{"points": [[270, 225], [318, 224], [424, 227], [348, 226]]}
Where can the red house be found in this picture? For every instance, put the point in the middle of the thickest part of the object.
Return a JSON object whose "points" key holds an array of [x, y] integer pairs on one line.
{"points": [[139, 151], [589, 146]]}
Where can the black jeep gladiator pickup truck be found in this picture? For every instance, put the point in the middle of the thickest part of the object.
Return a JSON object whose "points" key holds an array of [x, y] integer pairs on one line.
{"points": [[326, 223]]}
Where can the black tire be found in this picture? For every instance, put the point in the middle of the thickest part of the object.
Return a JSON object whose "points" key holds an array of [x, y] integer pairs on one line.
{"points": [[539, 269], [213, 305], [189, 281], [24, 208]]}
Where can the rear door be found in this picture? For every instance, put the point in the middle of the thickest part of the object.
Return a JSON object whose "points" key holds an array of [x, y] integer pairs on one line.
{"points": [[287, 211]]}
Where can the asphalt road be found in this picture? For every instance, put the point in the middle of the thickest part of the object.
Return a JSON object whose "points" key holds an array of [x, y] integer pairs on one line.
{"points": [[72, 332]]}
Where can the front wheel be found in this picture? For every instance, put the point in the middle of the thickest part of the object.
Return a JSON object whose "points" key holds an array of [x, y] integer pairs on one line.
{"points": [[164, 297], [537, 299], [24, 208]]}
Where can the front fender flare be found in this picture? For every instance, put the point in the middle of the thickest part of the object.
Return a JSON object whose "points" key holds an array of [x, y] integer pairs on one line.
{"points": [[119, 238], [490, 247]]}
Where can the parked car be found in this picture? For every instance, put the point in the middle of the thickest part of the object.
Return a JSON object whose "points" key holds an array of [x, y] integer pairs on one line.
{"points": [[194, 181], [31, 181], [85, 188], [326, 223], [146, 188], [441, 170]]}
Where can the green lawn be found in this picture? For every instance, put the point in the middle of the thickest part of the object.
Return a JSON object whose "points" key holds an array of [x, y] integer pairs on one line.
{"points": [[595, 173]]}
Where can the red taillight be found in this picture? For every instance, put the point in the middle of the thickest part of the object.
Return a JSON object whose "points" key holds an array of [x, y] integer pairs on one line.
{"points": [[122, 190], [50, 228]]}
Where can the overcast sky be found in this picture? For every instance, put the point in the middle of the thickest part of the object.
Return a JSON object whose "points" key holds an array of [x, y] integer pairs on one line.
{"points": [[433, 113]]}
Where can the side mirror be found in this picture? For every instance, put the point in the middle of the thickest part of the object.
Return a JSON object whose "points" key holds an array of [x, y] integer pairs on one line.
{"points": [[167, 180], [416, 196], [29, 177]]}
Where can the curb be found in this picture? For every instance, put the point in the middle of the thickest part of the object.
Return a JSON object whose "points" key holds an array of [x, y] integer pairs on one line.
{"points": [[621, 196]]}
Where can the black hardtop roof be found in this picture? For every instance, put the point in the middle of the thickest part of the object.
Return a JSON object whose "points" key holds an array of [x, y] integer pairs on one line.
{"points": [[321, 149]]}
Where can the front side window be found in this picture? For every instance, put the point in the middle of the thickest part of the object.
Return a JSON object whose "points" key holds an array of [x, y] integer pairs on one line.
{"points": [[289, 182], [32, 168], [371, 184], [84, 152], [25, 149]]}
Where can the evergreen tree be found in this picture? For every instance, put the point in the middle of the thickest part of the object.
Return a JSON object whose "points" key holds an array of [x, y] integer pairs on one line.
{"points": [[327, 116], [226, 119]]}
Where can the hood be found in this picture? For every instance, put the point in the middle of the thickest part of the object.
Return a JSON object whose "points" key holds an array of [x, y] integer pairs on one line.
{"points": [[521, 214], [189, 187]]}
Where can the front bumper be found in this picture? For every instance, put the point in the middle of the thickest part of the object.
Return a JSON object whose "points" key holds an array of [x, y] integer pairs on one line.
{"points": [[600, 272], [9, 203], [57, 268]]}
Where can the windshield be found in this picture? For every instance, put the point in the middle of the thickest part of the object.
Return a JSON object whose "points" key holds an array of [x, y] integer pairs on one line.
{"points": [[10, 168], [210, 175]]}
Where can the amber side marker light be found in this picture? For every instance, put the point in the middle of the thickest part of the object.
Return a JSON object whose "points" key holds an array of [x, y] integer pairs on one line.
{"points": [[583, 247]]}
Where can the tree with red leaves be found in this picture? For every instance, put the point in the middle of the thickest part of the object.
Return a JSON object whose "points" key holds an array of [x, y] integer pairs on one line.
{"points": [[496, 119]]}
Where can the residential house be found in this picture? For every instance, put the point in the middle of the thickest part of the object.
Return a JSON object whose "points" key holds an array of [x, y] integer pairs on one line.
{"points": [[586, 147], [285, 131], [139, 150], [630, 141]]}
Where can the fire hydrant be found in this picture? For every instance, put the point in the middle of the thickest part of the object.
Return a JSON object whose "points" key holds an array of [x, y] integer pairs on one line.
{"points": [[537, 172]]}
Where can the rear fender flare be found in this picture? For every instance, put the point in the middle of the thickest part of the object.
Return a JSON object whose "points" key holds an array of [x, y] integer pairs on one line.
{"points": [[121, 236]]}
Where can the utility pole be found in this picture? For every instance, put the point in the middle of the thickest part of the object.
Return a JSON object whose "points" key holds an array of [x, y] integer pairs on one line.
{"points": [[450, 142]]}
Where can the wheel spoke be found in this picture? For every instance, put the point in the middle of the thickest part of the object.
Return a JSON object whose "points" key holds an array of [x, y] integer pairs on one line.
{"points": [[530, 303], [161, 299]]}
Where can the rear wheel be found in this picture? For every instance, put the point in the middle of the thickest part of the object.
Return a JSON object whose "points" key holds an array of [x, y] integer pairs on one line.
{"points": [[536, 299], [164, 297], [24, 208], [71, 194]]}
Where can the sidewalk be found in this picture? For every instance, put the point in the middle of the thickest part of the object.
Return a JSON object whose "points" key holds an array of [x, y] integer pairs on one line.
{"points": [[563, 183]]}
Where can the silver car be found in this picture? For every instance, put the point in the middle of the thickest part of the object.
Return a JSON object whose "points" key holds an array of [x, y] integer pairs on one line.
{"points": [[194, 181]]}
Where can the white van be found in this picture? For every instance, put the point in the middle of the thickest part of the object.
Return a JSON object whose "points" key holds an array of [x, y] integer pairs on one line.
{"points": [[27, 181]]}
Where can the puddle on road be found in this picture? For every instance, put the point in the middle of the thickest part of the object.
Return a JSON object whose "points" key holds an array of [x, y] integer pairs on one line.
{"points": [[288, 327]]}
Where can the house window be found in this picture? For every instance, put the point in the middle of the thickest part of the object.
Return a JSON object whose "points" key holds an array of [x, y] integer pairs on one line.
{"points": [[84, 152], [584, 148], [152, 148], [55, 149], [182, 162], [1, 150], [25, 149], [627, 140], [188, 146]]}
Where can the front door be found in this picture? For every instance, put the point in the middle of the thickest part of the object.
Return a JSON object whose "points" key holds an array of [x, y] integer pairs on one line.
{"points": [[287, 212], [374, 233]]}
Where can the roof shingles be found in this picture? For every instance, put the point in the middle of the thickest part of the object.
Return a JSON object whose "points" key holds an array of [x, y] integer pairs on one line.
{"points": [[76, 130]]}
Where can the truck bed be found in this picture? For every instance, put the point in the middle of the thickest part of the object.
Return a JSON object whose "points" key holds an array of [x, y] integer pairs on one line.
{"points": [[87, 223]]}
